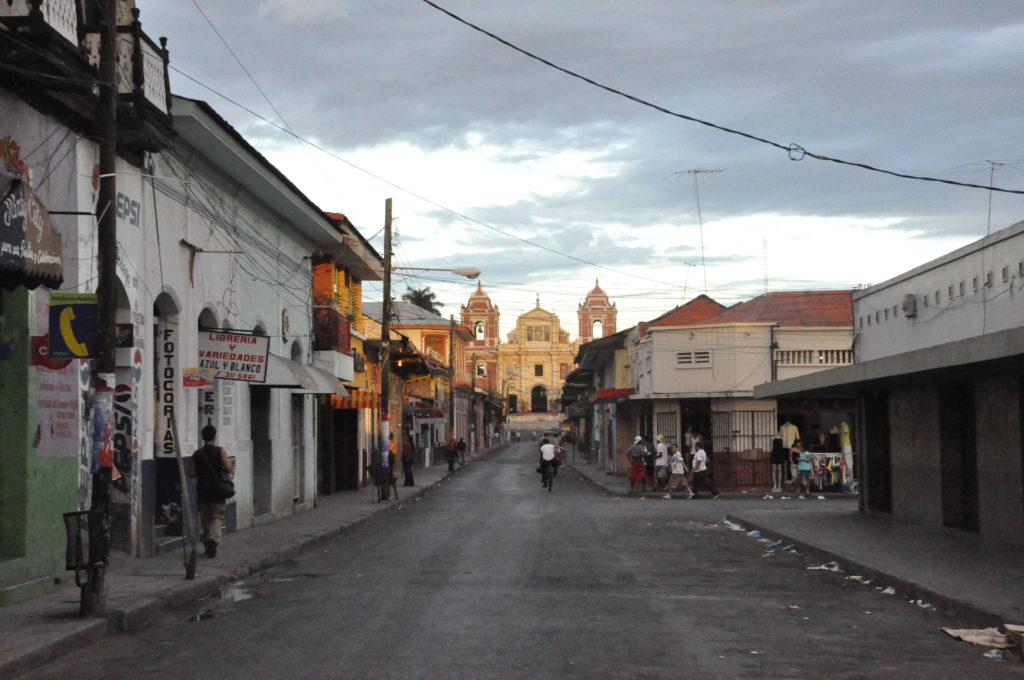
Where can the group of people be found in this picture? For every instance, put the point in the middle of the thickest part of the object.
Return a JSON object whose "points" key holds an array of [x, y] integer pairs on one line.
{"points": [[670, 468]]}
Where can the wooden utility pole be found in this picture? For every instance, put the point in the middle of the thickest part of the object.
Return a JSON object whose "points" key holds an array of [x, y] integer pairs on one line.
{"points": [[451, 379], [385, 342], [94, 590]]}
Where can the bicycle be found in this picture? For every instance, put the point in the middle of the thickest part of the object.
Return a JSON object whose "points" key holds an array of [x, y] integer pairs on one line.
{"points": [[549, 476]]}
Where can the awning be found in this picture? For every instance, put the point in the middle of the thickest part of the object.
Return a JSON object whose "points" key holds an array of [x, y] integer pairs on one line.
{"points": [[30, 248], [423, 413], [612, 394], [357, 399], [283, 372]]}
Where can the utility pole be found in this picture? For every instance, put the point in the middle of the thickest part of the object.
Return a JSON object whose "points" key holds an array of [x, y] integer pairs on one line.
{"points": [[385, 343], [94, 590], [451, 379]]}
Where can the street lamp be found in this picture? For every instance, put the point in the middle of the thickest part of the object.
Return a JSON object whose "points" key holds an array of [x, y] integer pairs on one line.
{"points": [[385, 335]]}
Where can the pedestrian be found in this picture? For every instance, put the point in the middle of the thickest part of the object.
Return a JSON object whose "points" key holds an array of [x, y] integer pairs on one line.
{"points": [[678, 480], [648, 461], [661, 464], [700, 471], [208, 464], [461, 446], [637, 467], [408, 460], [803, 469], [451, 454], [393, 469]]}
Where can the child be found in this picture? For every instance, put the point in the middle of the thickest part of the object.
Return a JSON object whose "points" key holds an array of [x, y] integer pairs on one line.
{"points": [[803, 469]]}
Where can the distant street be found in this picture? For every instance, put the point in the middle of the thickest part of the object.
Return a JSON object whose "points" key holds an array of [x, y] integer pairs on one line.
{"points": [[489, 576]]}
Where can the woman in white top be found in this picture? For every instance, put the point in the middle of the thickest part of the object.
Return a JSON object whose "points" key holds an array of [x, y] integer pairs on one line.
{"points": [[660, 463]]}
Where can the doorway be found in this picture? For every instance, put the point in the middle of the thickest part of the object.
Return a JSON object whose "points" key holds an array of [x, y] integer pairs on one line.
{"points": [[262, 452], [539, 399], [958, 456], [298, 449]]}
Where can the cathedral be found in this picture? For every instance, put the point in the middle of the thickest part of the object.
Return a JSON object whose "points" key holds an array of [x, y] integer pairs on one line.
{"points": [[530, 367]]}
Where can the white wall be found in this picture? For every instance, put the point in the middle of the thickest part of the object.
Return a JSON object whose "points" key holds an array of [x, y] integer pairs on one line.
{"points": [[995, 263]]}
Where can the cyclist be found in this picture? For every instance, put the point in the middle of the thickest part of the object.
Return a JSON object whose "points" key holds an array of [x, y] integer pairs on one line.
{"points": [[548, 458]]}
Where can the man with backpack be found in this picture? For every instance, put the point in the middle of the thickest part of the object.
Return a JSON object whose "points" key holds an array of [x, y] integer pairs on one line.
{"points": [[211, 466]]}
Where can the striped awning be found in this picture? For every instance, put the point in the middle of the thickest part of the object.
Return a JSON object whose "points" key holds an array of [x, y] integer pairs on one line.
{"points": [[356, 399]]}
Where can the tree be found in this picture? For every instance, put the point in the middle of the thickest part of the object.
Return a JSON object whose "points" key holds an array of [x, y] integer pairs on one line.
{"points": [[423, 297]]}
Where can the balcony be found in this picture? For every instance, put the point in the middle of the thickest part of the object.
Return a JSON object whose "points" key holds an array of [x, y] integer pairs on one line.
{"points": [[331, 331], [34, 16]]}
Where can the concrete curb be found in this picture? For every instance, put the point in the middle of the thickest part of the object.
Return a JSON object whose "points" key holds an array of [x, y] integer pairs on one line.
{"points": [[947, 605], [137, 617]]}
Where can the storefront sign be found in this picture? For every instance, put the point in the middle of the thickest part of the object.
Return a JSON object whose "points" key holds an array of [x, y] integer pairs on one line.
{"points": [[72, 325], [234, 356], [30, 249], [197, 377], [168, 363]]}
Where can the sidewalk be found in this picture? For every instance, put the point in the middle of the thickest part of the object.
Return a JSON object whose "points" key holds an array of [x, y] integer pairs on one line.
{"points": [[44, 628], [978, 582]]}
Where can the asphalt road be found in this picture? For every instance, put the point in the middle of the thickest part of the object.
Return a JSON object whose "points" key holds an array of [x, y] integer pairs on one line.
{"points": [[489, 576]]}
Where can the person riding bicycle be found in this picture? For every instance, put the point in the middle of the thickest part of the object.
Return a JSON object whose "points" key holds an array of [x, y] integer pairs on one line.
{"points": [[548, 458]]}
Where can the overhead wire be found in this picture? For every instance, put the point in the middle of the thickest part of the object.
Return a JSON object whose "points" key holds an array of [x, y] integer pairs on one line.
{"points": [[795, 151]]}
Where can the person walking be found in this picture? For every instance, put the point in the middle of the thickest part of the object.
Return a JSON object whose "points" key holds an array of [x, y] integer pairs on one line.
{"points": [[408, 460], [451, 454], [700, 472], [461, 446], [207, 465], [637, 467], [661, 464], [678, 481]]}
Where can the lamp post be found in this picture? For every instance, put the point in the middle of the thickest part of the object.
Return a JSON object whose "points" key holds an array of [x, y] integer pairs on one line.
{"points": [[385, 333]]}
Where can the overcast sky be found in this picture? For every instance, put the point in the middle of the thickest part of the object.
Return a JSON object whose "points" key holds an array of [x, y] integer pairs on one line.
{"points": [[461, 130]]}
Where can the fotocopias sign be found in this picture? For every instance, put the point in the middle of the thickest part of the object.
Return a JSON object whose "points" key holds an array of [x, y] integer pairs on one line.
{"points": [[234, 356]]}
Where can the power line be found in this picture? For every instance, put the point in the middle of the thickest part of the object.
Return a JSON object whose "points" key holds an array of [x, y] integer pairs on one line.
{"points": [[409, 192], [794, 150]]}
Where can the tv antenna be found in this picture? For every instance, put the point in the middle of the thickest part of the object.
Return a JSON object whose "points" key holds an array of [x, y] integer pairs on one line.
{"points": [[700, 219]]}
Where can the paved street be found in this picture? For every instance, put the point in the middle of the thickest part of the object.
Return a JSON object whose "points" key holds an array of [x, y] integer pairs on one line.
{"points": [[489, 576]]}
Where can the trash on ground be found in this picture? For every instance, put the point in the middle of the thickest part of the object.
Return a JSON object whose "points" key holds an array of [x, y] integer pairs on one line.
{"points": [[785, 498], [754, 534], [668, 496], [769, 497], [821, 498], [922, 604], [1016, 633], [859, 579], [775, 544], [790, 549], [732, 525], [889, 591], [995, 654], [985, 637], [828, 566], [793, 606]]}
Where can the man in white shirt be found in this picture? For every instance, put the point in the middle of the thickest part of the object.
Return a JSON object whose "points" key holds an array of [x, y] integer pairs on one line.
{"points": [[678, 482], [661, 464], [700, 472], [548, 457]]}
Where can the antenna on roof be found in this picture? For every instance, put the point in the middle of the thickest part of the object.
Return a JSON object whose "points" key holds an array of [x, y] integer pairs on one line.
{"points": [[700, 218]]}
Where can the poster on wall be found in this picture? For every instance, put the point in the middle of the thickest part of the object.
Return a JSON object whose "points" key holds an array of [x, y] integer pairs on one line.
{"points": [[234, 356]]}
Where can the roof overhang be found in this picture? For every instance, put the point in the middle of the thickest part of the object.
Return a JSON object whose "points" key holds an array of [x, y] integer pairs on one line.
{"points": [[303, 379], [999, 353]]}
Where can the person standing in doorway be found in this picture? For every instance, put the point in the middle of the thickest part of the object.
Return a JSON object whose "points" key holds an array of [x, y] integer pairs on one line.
{"points": [[207, 464], [700, 472], [408, 460]]}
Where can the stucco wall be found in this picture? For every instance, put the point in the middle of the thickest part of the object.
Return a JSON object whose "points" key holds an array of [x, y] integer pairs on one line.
{"points": [[998, 417], [916, 473]]}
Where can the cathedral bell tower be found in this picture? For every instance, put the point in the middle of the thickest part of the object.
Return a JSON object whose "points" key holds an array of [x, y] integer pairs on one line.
{"points": [[480, 316], [597, 315]]}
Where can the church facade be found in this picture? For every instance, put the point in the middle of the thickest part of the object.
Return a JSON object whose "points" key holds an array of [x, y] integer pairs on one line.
{"points": [[530, 367]]}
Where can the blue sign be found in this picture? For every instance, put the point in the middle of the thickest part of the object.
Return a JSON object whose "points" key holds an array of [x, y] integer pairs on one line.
{"points": [[73, 320]]}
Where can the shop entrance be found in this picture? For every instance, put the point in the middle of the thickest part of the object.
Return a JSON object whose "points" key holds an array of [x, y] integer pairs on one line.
{"points": [[262, 452]]}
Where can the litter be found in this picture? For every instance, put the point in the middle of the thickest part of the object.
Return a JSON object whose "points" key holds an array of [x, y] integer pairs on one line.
{"points": [[922, 604], [668, 496], [790, 549], [995, 654], [775, 544], [754, 534], [859, 579], [732, 525], [828, 566], [821, 498], [793, 606], [769, 497], [785, 498], [985, 637], [889, 591]]}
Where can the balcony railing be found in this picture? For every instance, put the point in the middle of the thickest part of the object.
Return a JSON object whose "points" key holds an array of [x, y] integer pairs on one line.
{"points": [[142, 64], [60, 15], [331, 331]]}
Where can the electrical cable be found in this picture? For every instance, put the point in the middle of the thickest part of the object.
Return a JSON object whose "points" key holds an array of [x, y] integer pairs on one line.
{"points": [[415, 195], [795, 151]]}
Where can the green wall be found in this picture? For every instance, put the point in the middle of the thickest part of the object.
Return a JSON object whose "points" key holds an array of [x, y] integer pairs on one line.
{"points": [[34, 491]]}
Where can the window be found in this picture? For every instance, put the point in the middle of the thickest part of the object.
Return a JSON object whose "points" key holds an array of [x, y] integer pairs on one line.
{"points": [[862, 322], [481, 370], [538, 333], [563, 371], [694, 359], [538, 370], [895, 311], [975, 284], [886, 313], [479, 330], [1006, 274], [988, 280], [811, 357], [951, 293], [961, 289], [936, 297], [597, 329]]}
